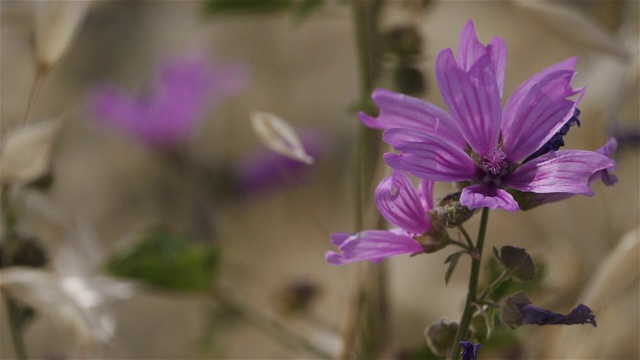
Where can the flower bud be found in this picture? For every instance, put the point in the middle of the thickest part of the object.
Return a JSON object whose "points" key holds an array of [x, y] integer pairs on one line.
{"points": [[517, 262], [450, 212], [441, 335], [409, 80], [276, 134], [297, 296], [403, 41], [25, 155], [57, 23]]}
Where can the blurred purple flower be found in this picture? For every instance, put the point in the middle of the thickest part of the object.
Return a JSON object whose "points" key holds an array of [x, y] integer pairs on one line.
{"points": [[402, 205], [480, 142], [263, 171], [469, 350], [183, 90]]}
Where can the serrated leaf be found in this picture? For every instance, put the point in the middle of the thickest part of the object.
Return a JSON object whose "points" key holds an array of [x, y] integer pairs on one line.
{"points": [[453, 262], [168, 261], [224, 7]]}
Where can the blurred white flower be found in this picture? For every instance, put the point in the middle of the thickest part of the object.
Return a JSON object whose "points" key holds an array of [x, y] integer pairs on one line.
{"points": [[57, 23], [25, 154], [277, 135], [72, 294]]}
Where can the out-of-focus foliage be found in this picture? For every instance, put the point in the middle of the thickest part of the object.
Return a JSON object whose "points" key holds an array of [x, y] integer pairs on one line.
{"points": [[168, 261], [301, 8]]}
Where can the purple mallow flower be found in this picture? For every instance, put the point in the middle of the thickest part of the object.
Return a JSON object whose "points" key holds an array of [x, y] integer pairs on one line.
{"points": [[469, 350], [403, 206], [489, 148], [184, 89]]}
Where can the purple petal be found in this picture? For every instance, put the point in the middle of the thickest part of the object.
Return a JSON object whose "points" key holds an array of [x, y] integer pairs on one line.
{"points": [[473, 98], [521, 91], [402, 111], [261, 172], [566, 171], [425, 192], [533, 315], [183, 90], [477, 196], [428, 157], [540, 114], [469, 350], [398, 202], [372, 245], [607, 178], [470, 50]]}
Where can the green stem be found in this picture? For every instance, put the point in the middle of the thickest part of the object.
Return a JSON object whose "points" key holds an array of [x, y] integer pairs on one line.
{"points": [[465, 321], [466, 235], [271, 327], [365, 21], [12, 308], [15, 325], [504, 276]]}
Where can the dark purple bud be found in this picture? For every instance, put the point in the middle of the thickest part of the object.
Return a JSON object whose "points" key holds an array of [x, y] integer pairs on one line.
{"points": [[517, 310], [469, 350], [517, 262]]}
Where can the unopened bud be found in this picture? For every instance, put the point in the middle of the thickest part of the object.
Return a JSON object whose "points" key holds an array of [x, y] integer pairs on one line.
{"points": [[450, 212], [409, 80], [517, 262], [57, 23], [403, 41], [441, 335], [297, 296]]}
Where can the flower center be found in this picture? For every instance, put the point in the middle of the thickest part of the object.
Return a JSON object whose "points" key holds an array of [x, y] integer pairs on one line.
{"points": [[495, 161], [494, 167]]}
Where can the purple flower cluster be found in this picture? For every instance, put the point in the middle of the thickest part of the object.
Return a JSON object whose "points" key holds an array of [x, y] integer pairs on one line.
{"points": [[493, 152], [184, 88]]}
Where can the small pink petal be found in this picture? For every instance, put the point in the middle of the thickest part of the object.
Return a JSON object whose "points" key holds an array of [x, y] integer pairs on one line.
{"points": [[477, 196], [372, 245], [398, 202]]}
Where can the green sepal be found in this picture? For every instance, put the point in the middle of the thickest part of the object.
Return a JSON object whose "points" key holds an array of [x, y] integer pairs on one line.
{"points": [[453, 262]]}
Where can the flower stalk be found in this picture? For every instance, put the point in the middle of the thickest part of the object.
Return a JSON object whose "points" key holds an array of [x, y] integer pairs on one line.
{"points": [[465, 321]]}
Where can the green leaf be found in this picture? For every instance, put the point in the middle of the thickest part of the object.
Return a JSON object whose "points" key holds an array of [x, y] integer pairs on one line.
{"points": [[224, 7], [302, 9], [453, 262], [168, 261]]}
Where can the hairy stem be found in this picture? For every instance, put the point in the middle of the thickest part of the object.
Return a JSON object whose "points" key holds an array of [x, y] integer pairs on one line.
{"points": [[465, 321], [364, 323]]}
